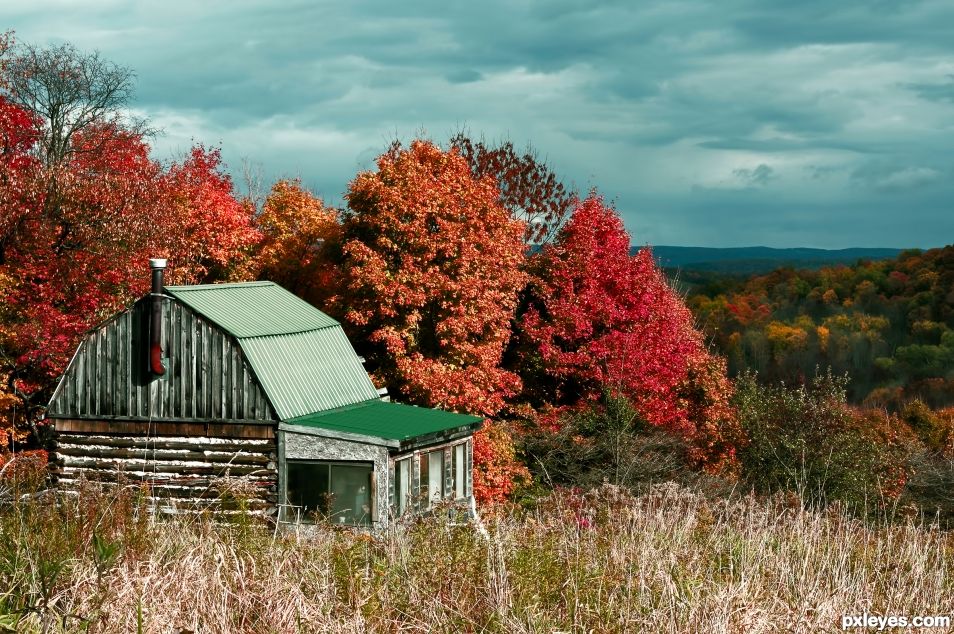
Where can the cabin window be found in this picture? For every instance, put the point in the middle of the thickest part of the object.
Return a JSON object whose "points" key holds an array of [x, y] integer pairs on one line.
{"points": [[432, 477], [459, 458], [435, 476], [340, 492], [402, 485], [422, 479]]}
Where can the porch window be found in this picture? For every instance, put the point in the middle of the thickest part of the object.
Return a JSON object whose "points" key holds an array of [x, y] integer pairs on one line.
{"points": [[432, 477], [340, 492], [435, 463], [402, 485], [459, 458]]}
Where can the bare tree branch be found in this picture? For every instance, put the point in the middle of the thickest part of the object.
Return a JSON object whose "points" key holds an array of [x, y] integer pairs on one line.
{"points": [[70, 91]]}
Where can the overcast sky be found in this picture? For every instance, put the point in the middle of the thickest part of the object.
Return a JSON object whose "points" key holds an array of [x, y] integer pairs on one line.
{"points": [[719, 123]]}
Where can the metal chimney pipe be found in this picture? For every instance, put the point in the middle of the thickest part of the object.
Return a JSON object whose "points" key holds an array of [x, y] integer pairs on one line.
{"points": [[158, 265]]}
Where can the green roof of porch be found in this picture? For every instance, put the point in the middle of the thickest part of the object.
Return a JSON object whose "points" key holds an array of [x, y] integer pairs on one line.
{"points": [[390, 421]]}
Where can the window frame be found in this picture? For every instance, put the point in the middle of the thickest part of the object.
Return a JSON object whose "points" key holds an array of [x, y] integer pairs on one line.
{"points": [[454, 457], [372, 515]]}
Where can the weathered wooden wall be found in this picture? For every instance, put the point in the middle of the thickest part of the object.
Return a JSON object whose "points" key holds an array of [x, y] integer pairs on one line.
{"points": [[207, 376], [178, 473]]}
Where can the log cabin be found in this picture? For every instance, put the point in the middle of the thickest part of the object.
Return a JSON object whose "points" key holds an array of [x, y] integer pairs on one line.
{"points": [[191, 386]]}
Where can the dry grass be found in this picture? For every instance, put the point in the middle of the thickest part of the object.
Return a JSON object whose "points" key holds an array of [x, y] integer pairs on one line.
{"points": [[667, 561]]}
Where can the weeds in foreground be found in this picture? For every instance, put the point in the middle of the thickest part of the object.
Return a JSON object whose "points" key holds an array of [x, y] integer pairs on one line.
{"points": [[668, 560]]}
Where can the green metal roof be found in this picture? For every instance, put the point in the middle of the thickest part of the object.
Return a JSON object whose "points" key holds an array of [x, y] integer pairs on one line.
{"points": [[301, 356], [252, 309], [391, 421], [308, 372]]}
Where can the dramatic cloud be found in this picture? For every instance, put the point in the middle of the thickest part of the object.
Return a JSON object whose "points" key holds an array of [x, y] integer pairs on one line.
{"points": [[758, 177], [710, 123]]}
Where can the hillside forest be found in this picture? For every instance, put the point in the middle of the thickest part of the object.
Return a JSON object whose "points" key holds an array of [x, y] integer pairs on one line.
{"points": [[472, 278], [888, 323]]}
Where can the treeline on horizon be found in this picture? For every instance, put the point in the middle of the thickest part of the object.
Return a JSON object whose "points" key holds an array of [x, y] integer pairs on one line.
{"points": [[587, 363], [888, 324]]}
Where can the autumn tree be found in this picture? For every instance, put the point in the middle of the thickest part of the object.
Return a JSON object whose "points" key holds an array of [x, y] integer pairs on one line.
{"points": [[431, 266], [70, 92], [527, 186], [599, 318], [206, 232], [18, 133], [497, 470], [83, 207], [118, 208], [295, 226]]}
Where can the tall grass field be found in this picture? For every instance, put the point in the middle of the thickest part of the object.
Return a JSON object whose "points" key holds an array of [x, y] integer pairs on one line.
{"points": [[667, 560]]}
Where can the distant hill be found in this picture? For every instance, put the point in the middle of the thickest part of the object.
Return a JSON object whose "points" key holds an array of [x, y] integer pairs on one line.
{"points": [[755, 260], [887, 323]]}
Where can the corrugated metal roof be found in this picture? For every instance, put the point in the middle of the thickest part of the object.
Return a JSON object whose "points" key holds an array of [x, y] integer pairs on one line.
{"points": [[308, 372], [391, 421], [300, 356], [252, 309]]}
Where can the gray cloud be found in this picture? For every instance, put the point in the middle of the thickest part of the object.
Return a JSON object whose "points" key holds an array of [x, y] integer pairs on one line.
{"points": [[895, 178], [758, 177], [711, 123], [943, 91]]}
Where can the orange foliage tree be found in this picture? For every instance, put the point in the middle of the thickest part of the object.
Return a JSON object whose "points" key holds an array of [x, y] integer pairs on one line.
{"points": [[431, 273], [296, 225], [497, 471]]}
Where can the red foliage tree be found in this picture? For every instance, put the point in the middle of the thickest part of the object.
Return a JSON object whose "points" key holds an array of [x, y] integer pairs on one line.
{"points": [[599, 318], [205, 231], [527, 187], [431, 275], [79, 249], [19, 131]]}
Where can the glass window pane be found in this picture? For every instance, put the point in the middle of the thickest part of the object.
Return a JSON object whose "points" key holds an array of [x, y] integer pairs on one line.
{"points": [[339, 492], [402, 475], [459, 471], [350, 494], [423, 494], [308, 488], [435, 490]]}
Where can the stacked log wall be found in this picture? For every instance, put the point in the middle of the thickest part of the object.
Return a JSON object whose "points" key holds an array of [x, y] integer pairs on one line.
{"points": [[176, 473]]}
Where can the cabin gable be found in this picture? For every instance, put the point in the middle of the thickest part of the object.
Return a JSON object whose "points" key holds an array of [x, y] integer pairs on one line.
{"points": [[208, 377]]}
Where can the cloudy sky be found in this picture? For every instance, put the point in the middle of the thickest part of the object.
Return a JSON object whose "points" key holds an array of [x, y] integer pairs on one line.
{"points": [[710, 123]]}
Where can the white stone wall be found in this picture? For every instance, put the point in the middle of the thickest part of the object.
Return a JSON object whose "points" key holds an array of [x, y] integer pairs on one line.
{"points": [[308, 447]]}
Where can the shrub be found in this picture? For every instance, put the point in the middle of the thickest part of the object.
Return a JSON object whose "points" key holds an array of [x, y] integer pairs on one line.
{"points": [[809, 440], [604, 441], [930, 426], [22, 472], [929, 487]]}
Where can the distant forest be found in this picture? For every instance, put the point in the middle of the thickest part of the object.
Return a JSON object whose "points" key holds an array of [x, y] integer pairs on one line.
{"points": [[745, 261], [888, 324]]}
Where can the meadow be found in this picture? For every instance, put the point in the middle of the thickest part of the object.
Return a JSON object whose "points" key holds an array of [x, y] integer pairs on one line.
{"points": [[667, 560]]}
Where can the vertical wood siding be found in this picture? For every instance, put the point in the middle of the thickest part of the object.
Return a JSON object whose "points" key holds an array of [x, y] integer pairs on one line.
{"points": [[207, 376]]}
